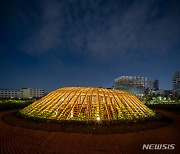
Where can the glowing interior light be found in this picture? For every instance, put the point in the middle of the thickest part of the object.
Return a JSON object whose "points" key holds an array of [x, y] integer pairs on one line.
{"points": [[88, 104], [71, 113]]}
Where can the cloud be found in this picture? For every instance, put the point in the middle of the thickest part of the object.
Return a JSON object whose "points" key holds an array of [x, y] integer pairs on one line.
{"points": [[131, 32], [106, 29], [48, 34]]}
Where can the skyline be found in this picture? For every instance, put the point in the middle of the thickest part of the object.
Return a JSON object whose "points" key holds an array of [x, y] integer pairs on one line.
{"points": [[54, 44]]}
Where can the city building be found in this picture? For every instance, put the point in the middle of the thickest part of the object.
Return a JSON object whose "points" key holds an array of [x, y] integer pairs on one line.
{"points": [[153, 87], [163, 92], [132, 84], [8, 93], [176, 83], [22, 93], [31, 93], [88, 104]]}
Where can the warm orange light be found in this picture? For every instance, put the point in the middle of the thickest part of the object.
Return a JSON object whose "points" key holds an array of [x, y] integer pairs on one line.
{"points": [[88, 104]]}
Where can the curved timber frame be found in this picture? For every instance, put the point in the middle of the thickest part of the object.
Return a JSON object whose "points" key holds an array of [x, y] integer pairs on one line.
{"points": [[88, 104]]}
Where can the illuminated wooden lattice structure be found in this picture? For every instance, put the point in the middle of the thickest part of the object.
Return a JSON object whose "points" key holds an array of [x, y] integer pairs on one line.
{"points": [[88, 104]]}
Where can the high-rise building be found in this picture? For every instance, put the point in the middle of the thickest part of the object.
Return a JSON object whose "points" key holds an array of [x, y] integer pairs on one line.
{"points": [[154, 85], [176, 83], [132, 84], [21, 93]]}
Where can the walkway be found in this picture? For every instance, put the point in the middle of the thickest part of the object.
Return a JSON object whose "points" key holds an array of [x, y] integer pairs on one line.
{"points": [[21, 140]]}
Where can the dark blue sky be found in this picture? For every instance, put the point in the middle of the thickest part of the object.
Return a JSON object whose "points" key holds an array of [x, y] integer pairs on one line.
{"points": [[52, 43]]}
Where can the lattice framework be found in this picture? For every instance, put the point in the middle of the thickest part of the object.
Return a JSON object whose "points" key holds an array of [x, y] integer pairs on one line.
{"points": [[88, 104]]}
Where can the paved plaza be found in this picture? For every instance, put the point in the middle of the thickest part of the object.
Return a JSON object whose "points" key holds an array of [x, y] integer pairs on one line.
{"points": [[22, 140]]}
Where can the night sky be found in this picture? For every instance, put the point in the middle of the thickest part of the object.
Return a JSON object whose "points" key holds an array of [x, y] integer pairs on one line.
{"points": [[50, 44]]}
